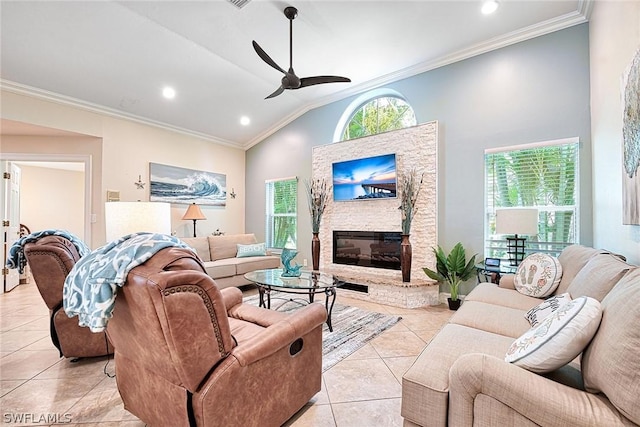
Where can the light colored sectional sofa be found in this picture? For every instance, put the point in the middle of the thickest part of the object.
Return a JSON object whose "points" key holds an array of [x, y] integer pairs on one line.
{"points": [[462, 379], [219, 254]]}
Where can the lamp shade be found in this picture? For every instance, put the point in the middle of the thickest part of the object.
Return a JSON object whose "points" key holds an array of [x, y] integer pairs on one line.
{"points": [[194, 212], [122, 218], [517, 221]]}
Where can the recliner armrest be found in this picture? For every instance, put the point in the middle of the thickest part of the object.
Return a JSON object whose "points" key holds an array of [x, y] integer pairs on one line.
{"points": [[231, 297], [539, 399], [281, 334]]}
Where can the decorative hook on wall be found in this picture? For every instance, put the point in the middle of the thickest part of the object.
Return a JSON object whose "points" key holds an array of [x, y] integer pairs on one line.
{"points": [[139, 184], [233, 193]]}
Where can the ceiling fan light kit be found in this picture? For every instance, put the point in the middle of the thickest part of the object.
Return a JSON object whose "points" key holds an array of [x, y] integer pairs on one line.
{"points": [[290, 79]]}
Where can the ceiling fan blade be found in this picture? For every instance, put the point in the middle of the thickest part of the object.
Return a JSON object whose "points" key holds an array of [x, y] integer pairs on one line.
{"points": [[276, 93], [318, 80], [266, 58]]}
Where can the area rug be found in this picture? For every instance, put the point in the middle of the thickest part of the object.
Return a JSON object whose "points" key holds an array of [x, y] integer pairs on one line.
{"points": [[352, 328]]}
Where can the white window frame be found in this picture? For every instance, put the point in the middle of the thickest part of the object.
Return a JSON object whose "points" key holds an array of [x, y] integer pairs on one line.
{"points": [[496, 246], [270, 215]]}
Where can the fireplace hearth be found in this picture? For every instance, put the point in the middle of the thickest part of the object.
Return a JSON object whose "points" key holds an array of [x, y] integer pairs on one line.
{"points": [[376, 249]]}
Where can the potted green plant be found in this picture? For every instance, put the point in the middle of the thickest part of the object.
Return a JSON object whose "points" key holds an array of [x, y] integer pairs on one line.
{"points": [[453, 270]]}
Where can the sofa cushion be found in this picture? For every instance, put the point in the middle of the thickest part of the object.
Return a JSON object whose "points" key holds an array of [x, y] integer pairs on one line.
{"points": [[425, 385], [492, 294], [491, 318], [598, 276], [543, 310], [201, 246], [610, 364], [226, 246], [221, 268], [538, 275], [255, 249], [573, 258], [257, 263], [559, 338]]}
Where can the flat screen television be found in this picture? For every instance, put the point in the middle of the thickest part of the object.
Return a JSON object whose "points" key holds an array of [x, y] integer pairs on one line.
{"points": [[365, 179]]}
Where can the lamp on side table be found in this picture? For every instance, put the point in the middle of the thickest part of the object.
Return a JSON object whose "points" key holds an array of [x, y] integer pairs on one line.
{"points": [[516, 221], [193, 213]]}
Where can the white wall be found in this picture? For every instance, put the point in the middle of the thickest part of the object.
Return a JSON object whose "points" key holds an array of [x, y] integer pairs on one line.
{"points": [[122, 151], [52, 198], [614, 38]]}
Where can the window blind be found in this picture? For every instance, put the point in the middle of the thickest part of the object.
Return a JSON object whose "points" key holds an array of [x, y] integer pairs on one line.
{"points": [[543, 176], [281, 213]]}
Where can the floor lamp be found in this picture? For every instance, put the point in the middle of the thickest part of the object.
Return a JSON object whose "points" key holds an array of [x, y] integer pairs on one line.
{"points": [[516, 221], [122, 218], [193, 213]]}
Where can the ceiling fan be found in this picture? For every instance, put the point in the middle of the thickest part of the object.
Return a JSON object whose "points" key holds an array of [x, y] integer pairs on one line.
{"points": [[290, 80]]}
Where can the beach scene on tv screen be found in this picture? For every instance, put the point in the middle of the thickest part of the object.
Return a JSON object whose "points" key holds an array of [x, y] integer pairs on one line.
{"points": [[367, 178]]}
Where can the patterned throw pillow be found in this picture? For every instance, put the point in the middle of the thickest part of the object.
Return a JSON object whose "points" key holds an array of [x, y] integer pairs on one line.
{"points": [[559, 338], [541, 311], [256, 249], [538, 275]]}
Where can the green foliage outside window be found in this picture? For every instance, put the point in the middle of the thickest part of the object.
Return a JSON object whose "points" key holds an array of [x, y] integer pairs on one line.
{"points": [[281, 213], [543, 177], [379, 115]]}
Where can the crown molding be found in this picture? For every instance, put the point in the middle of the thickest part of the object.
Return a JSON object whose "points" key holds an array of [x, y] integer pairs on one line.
{"points": [[580, 16], [57, 98]]}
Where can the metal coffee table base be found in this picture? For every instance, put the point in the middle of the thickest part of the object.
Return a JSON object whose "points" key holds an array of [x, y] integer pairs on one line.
{"points": [[330, 297]]}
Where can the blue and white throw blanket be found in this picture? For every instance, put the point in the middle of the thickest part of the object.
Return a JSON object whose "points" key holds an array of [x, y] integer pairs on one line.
{"points": [[90, 288], [16, 258]]}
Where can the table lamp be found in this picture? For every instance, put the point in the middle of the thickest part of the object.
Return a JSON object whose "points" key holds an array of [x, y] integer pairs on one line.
{"points": [[193, 213], [516, 221], [122, 218]]}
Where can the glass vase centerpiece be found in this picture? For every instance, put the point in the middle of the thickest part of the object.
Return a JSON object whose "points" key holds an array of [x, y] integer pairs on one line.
{"points": [[318, 191], [410, 185]]}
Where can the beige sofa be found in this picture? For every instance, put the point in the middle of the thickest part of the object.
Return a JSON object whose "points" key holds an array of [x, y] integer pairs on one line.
{"points": [[461, 378], [218, 254]]}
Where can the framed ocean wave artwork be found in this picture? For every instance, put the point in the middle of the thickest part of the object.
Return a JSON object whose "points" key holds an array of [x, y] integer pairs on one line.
{"points": [[180, 185]]}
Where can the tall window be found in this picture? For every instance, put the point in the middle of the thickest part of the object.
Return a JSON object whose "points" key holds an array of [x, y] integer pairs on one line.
{"points": [[281, 213], [543, 176], [379, 115]]}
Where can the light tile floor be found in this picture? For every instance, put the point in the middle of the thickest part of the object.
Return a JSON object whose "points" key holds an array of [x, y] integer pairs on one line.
{"points": [[362, 390]]}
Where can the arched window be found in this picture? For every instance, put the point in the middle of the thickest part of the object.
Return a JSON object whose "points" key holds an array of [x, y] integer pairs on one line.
{"points": [[378, 115]]}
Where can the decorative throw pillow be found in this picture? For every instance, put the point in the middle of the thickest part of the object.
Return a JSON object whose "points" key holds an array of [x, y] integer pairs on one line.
{"points": [[256, 249], [538, 275], [541, 311], [559, 338]]}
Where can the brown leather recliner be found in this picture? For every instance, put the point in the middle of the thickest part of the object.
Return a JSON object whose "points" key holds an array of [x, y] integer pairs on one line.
{"points": [[189, 354], [51, 258]]}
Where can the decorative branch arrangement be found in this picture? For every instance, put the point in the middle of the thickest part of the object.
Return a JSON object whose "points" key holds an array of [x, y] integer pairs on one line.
{"points": [[410, 185], [317, 195]]}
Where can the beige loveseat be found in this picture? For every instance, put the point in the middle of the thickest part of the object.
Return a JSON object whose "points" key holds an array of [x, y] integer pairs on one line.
{"points": [[461, 378], [219, 256]]}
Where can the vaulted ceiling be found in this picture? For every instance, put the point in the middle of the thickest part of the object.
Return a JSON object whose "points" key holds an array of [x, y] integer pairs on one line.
{"points": [[116, 56]]}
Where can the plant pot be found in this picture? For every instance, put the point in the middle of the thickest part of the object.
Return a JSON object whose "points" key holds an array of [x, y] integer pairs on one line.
{"points": [[315, 252], [405, 258], [453, 305]]}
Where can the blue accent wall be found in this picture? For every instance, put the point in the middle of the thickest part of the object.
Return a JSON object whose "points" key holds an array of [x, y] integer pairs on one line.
{"points": [[532, 91]]}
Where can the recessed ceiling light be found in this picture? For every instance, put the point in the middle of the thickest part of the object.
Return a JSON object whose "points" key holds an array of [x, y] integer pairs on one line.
{"points": [[169, 92], [244, 120], [489, 6]]}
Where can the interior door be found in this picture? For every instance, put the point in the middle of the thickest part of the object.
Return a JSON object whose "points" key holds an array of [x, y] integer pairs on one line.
{"points": [[10, 219]]}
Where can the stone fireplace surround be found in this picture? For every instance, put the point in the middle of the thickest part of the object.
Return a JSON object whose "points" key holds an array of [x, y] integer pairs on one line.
{"points": [[415, 147]]}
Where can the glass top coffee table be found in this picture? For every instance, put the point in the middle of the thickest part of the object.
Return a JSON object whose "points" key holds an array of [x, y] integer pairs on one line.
{"points": [[309, 284]]}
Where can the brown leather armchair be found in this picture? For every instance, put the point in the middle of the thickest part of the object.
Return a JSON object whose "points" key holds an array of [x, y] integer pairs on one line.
{"points": [[189, 354], [51, 258]]}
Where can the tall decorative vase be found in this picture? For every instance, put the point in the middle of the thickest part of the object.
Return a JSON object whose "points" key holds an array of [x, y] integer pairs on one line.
{"points": [[405, 258], [315, 251]]}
